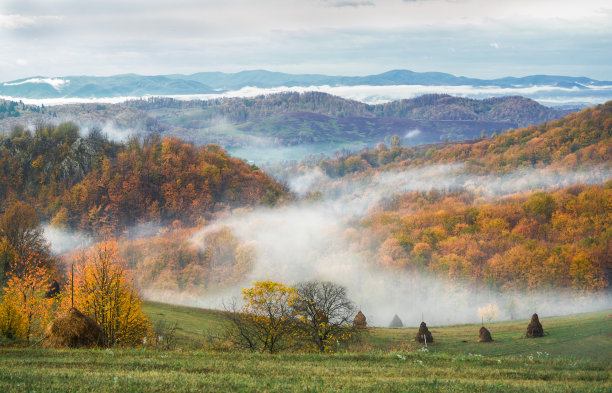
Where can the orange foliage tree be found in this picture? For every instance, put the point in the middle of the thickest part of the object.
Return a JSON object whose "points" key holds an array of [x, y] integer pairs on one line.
{"points": [[103, 290], [537, 240]]}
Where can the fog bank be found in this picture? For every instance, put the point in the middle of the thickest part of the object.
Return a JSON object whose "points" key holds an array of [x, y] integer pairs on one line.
{"points": [[310, 240]]}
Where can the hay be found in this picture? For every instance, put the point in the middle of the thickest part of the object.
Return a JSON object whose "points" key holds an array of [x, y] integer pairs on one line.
{"points": [[534, 329], [396, 322], [72, 330], [484, 335], [423, 331], [360, 321]]}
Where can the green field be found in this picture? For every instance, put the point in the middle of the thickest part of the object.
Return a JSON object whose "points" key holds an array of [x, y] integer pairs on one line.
{"points": [[574, 356]]}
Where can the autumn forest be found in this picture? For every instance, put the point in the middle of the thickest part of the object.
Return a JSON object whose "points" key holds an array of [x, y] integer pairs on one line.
{"points": [[554, 236]]}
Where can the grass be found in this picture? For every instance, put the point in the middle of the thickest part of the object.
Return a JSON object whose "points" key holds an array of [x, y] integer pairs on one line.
{"points": [[191, 371], [193, 324], [574, 357], [579, 336]]}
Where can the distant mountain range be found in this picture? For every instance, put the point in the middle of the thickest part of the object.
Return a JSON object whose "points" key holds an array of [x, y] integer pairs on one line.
{"points": [[132, 85], [267, 79]]}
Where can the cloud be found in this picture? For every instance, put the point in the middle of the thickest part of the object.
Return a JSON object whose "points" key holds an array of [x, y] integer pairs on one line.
{"points": [[62, 241], [11, 22], [334, 37], [56, 83], [544, 94], [18, 21], [494, 45], [412, 133]]}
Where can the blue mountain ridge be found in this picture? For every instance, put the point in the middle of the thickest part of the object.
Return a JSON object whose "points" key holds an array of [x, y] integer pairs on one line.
{"points": [[133, 85]]}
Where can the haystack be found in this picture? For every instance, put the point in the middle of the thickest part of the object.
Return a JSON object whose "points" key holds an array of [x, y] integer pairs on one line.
{"points": [[534, 329], [360, 321], [72, 330], [484, 336], [423, 331], [396, 322]]}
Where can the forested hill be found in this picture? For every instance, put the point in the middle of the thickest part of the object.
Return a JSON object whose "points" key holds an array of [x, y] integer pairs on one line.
{"points": [[519, 110], [93, 184], [322, 121], [532, 241], [578, 140]]}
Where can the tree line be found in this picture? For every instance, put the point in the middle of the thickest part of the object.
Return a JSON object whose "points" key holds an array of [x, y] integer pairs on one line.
{"points": [[578, 140]]}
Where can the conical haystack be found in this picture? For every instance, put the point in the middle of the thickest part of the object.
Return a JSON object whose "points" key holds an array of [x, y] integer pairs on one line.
{"points": [[534, 329], [484, 336], [423, 334], [72, 330], [360, 321], [396, 322]]}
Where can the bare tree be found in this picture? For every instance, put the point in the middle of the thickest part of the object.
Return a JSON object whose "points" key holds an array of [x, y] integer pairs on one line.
{"points": [[326, 313]]}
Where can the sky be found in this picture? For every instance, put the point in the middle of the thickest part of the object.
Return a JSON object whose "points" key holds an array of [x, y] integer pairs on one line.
{"points": [[476, 38]]}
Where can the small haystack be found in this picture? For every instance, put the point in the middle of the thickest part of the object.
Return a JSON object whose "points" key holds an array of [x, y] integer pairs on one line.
{"points": [[534, 329], [72, 330], [484, 336], [396, 322], [423, 334], [360, 321]]}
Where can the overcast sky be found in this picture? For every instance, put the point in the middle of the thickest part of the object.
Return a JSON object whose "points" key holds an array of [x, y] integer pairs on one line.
{"points": [[477, 38]]}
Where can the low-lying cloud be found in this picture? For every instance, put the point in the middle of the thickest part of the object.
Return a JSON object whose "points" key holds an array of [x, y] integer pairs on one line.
{"points": [[412, 133], [56, 83], [62, 241], [544, 94], [310, 241]]}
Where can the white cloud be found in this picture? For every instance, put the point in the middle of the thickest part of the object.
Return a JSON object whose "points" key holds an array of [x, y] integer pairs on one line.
{"points": [[15, 21], [56, 83], [412, 133], [19, 21], [546, 95]]}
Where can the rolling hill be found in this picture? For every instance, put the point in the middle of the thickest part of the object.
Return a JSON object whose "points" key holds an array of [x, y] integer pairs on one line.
{"points": [[319, 122]]}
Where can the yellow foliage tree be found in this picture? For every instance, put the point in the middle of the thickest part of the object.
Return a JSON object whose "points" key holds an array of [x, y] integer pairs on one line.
{"points": [[26, 290], [12, 321], [104, 291], [267, 321]]}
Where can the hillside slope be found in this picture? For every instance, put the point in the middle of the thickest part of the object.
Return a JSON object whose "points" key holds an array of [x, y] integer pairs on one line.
{"points": [[578, 140], [94, 184]]}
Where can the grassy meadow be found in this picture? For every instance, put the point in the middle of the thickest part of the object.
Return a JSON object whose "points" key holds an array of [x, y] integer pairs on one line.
{"points": [[574, 356]]}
